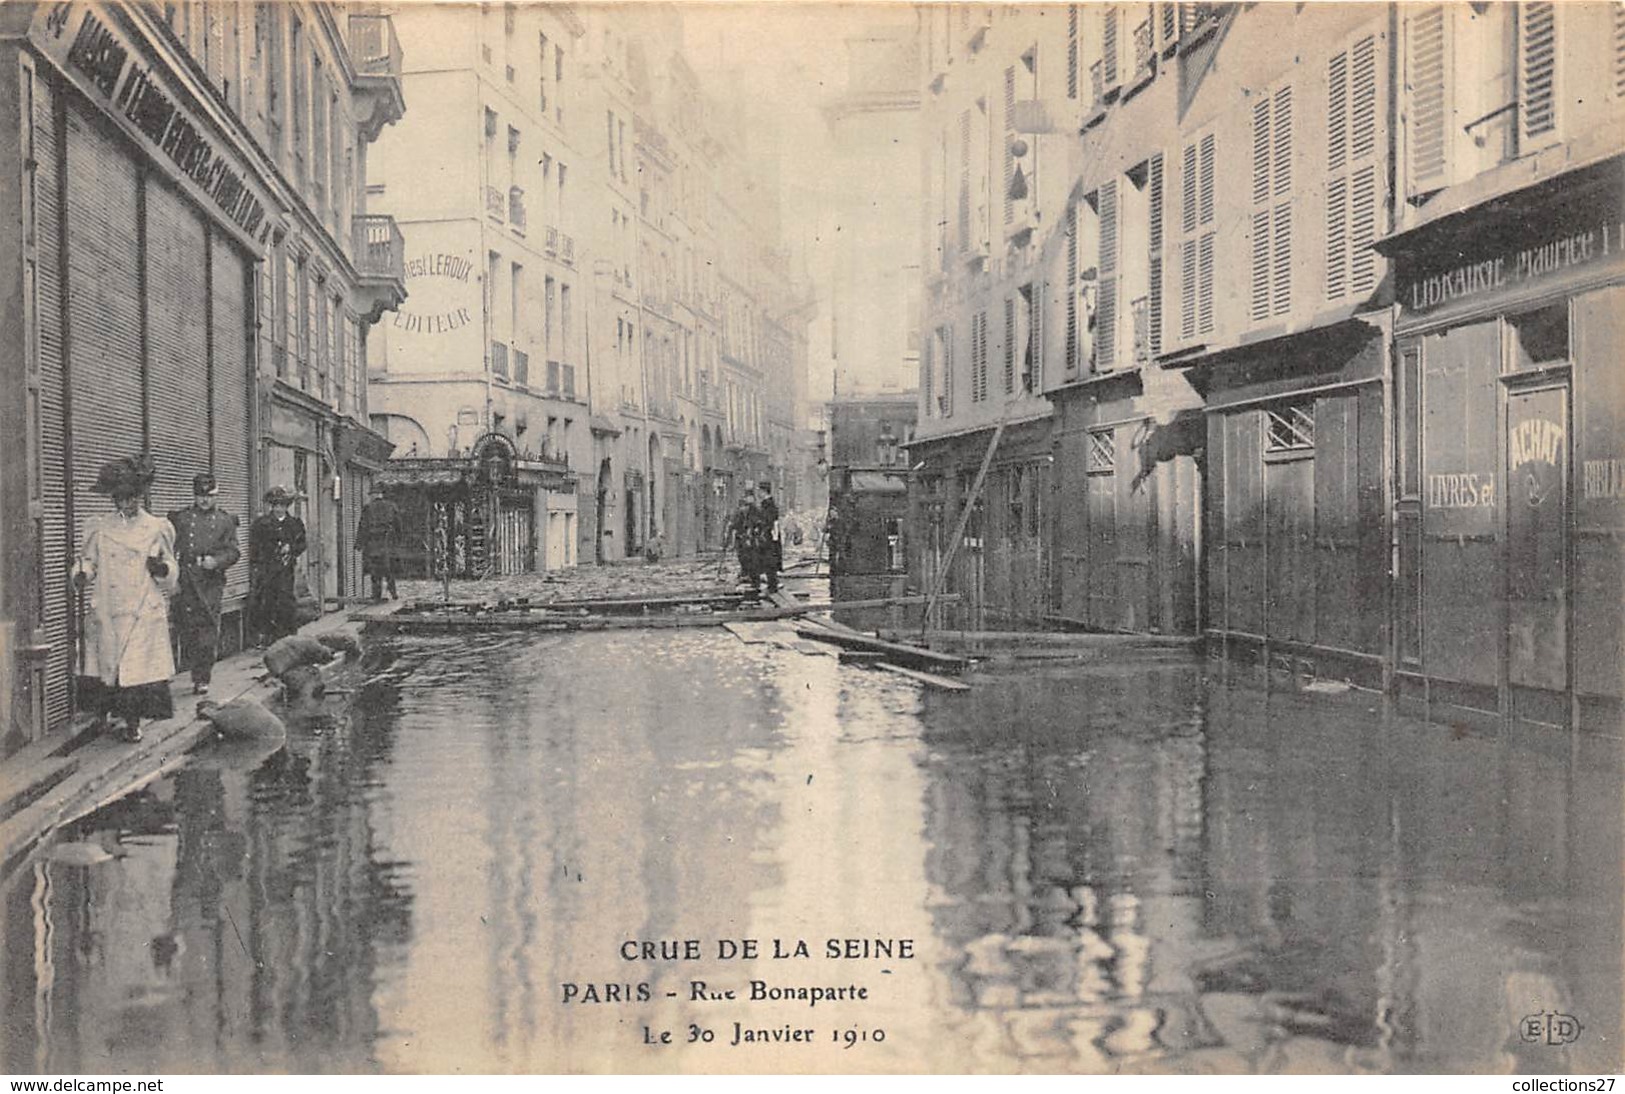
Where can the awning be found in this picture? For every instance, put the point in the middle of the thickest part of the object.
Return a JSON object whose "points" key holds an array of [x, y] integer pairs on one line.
{"points": [[603, 426]]}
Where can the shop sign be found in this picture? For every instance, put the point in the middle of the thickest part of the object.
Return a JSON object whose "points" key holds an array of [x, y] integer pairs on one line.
{"points": [[1604, 479], [142, 97], [1513, 269]]}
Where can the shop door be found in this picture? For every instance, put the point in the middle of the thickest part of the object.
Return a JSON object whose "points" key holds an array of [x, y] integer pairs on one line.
{"points": [[1537, 475]]}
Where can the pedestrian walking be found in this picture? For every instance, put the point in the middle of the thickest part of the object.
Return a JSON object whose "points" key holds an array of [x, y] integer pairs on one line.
{"points": [[127, 570], [378, 533], [770, 555], [206, 544], [744, 527], [276, 539]]}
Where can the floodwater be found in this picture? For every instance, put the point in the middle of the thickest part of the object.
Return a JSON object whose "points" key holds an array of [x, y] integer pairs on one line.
{"points": [[487, 856]]}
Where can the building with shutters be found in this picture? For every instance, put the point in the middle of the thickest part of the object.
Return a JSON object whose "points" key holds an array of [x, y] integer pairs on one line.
{"points": [[992, 256], [1509, 361], [492, 349], [193, 274]]}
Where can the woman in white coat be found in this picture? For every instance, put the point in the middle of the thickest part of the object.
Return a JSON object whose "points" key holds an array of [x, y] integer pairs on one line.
{"points": [[127, 571]]}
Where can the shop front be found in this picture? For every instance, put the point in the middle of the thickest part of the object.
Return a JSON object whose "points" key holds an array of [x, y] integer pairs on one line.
{"points": [[1509, 449]]}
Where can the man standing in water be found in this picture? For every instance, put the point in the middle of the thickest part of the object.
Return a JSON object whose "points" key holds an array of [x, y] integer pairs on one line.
{"points": [[743, 530], [206, 544]]}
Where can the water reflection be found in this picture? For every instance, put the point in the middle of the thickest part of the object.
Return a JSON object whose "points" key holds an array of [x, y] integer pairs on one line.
{"points": [[1102, 870]]}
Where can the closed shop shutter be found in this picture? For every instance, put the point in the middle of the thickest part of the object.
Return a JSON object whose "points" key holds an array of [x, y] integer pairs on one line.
{"points": [[352, 497], [104, 307], [177, 340], [233, 448], [56, 547]]}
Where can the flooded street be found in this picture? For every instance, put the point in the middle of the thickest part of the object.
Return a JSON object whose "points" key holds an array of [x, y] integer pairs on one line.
{"points": [[520, 853]]}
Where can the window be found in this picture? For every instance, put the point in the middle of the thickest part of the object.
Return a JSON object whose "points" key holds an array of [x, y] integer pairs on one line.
{"points": [[1102, 457], [549, 300], [609, 121], [564, 323], [1290, 428], [1351, 171], [1540, 337], [516, 304], [301, 102], [1271, 281], [1196, 242], [541, 81]]}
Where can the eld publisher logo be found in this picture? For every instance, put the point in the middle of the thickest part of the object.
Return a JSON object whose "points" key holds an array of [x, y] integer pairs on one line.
{"points": [[1550, 1028]]}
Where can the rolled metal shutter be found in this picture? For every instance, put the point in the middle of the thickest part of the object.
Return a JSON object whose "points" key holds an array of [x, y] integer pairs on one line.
{"points": [[56, 546], [177, 341], [103, 305], [350, 499], [230, 394]]}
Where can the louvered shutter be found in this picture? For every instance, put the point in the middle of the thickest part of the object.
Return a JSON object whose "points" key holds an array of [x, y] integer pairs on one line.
{"points": [[947, 371], [1009, 345], [1260, 282], [1154, 222], [1035, 335], [1537, 70], [1352, 191], [1106, 314], [1427, 116], [1072, 289], [1009, 139], [104, 309], [1619, 50], [1205, 187], [1204, 275], [230, 387], [1108, 49], [928, 385], [178, 331], [1169, 19], [1072, 51], [1187, 289]]}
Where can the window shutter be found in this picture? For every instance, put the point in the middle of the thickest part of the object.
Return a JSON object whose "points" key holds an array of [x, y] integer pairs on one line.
{"points": [[1261, 152], [1106, 325], [1205, 194], [1363, 231], [1106, 317], [1009, 138], [1351, 161], [947, 371], [1187, 289], [1187, 213], [1427, 91], [1035, 335], [1154, 222], [1204, 275], [1170, 23], [1619, 51], [1072, 51], [1108, 49], [1281, 280], [928, 379], [1009, 345], [981, 356], [1072, 288], [1260, 297], [1537, 69]]}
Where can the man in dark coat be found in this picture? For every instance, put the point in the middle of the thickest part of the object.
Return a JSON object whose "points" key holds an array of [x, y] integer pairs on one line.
{"points": [[744, 527], [275, 540], [376, 534], [770, 554], [206, 544]]}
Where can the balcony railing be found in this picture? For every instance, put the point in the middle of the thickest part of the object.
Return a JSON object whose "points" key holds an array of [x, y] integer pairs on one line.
{"points": [[550, 242], [521, 367], [499, 359], [496, 205], [516, 208], [373, 46], [380, 249]]}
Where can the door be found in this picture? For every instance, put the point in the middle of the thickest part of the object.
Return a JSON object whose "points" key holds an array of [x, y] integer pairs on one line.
{"points": [[1537, 475]]}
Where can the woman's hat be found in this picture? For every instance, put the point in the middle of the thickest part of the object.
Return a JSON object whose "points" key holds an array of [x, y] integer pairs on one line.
{"points": [[130, 475], [279, 495]]}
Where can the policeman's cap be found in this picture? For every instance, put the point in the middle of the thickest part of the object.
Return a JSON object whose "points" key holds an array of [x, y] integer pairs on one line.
{"points": [[204, 485]]}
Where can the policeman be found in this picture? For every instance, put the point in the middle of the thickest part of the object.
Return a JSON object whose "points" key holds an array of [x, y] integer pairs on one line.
{"points": [[206, 545], [770, 551]]}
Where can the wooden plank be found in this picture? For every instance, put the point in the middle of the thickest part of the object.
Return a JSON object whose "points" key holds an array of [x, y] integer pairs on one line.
{"points": [[930, 680], [908, 656]]}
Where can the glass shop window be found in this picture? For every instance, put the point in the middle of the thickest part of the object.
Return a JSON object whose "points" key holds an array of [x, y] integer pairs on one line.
{"points": [[1540, 338]]}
